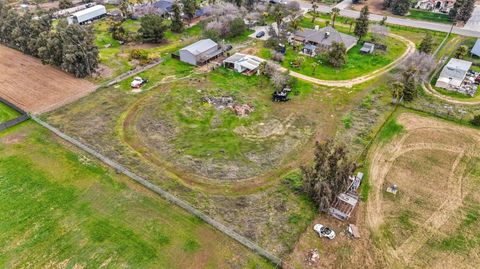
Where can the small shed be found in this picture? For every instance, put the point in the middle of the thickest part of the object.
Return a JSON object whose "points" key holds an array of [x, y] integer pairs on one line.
{"points": [[367, 48]]}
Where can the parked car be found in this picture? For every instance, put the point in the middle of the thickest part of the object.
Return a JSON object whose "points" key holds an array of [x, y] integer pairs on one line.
{"points": [[138, 82], [324, 231], [260, 34]]}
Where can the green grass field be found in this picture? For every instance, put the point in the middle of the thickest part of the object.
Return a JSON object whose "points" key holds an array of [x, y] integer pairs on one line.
{"points": [[60, 208], [428, 16], [6, 113], [357, 64]]}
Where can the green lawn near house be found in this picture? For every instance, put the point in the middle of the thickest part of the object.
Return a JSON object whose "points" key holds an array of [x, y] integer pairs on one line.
{"points": [[357, 64], [61, 208], [428, 16], [7, 113]]}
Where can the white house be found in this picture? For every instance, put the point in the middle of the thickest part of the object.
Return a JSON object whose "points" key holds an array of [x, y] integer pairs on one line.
{"points": [[243, 63], [200, 52], [453, 74], [435, 5]]}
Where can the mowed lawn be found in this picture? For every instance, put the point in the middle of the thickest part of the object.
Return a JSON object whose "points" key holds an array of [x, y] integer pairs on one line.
{"points": [[7, 113], [59, 208]]}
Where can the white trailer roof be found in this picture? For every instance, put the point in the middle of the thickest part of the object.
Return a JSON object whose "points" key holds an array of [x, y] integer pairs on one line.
{"points": [[88, 10]]}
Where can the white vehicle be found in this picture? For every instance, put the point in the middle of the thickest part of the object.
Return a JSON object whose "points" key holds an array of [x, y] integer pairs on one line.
{"points": [[87, 15], [324, 231], [138, 82]]}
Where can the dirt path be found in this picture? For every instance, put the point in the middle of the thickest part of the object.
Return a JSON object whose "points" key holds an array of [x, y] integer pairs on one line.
{"points": [[382, 160], [428, 89], [351, 82]]}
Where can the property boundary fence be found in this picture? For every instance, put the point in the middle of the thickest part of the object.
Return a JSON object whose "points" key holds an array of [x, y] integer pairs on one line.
{"points": [[169, 197], [23, 116]]}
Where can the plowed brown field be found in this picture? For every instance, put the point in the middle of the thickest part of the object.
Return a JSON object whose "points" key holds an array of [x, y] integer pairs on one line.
{"points": [[35, 87]]}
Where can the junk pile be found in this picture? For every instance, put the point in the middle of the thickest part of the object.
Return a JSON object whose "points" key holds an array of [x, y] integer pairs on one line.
{"points": [[228, 102], [312, 256]]}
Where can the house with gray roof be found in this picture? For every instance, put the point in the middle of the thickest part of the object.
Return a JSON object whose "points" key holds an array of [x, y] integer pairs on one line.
{"points": [[453, 74], [200, 52], [323, 38], [476, 48]]}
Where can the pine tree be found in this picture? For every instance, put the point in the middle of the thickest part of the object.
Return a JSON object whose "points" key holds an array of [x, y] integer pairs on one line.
{"points": [[400, 7], [152, 27], [426, 46], [410, 84], [454, 11], [337, 55], [189, 8], [361, 26], [465, 12], [177, 22]]}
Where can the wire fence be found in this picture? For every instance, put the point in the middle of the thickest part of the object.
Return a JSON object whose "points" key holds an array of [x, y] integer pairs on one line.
{"points": [[10, 123], [169, 197]]}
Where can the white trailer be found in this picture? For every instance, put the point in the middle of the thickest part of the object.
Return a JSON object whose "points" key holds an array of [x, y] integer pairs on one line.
{"points": [[88, 14]]}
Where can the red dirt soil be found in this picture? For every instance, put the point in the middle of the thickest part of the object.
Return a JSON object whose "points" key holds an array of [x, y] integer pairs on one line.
{"points": [[34, 87]]}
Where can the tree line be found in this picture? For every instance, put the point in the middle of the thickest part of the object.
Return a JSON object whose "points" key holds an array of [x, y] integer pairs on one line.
{"points": [[70, 47]]}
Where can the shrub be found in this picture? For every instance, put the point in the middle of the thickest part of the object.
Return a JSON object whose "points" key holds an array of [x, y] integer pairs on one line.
{"points": [[141, 55], [476, 120]]}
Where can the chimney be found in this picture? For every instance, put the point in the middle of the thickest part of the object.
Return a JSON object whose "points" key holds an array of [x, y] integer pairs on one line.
{"points": [[327, 34]]}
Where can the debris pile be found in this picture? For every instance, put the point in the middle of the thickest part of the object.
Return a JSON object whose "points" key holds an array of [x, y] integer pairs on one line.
{"points": [[312, 256], [224, 102], [242, 110], [220, 103]]}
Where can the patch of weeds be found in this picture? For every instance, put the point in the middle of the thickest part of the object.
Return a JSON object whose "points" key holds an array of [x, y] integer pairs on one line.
{"points": [[293, 219], [347, 121], [162, 239], [390, 130], [365, 186], [294, 180], [191, 245], [367, 102], [405, 220]]}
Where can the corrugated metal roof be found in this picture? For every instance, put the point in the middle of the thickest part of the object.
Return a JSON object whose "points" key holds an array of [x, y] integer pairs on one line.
{"points": [[201, 46], [455, 71], [88, 10], [476, 48]]}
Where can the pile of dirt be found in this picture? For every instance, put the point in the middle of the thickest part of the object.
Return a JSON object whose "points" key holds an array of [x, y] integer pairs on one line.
{"points": [[312, 257]]}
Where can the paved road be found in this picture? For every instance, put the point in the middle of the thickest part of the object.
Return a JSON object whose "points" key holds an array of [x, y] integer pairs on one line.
{"points": [[474, 32]]}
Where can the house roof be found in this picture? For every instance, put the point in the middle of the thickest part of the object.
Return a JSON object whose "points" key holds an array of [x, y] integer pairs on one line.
{"points": [[455, 71], [326, 36], [476, 48], [200, 47], [163, 5]]}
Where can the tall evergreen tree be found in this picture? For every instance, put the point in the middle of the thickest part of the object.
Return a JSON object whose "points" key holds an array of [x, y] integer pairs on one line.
{"points": [[337, 55], [454, 10], [80, 55], [465, 11], [361, 26], [177, 22], [329, 174], [410, 84], [426, 46], [152, 27], [400, 7], [189, 9]]}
